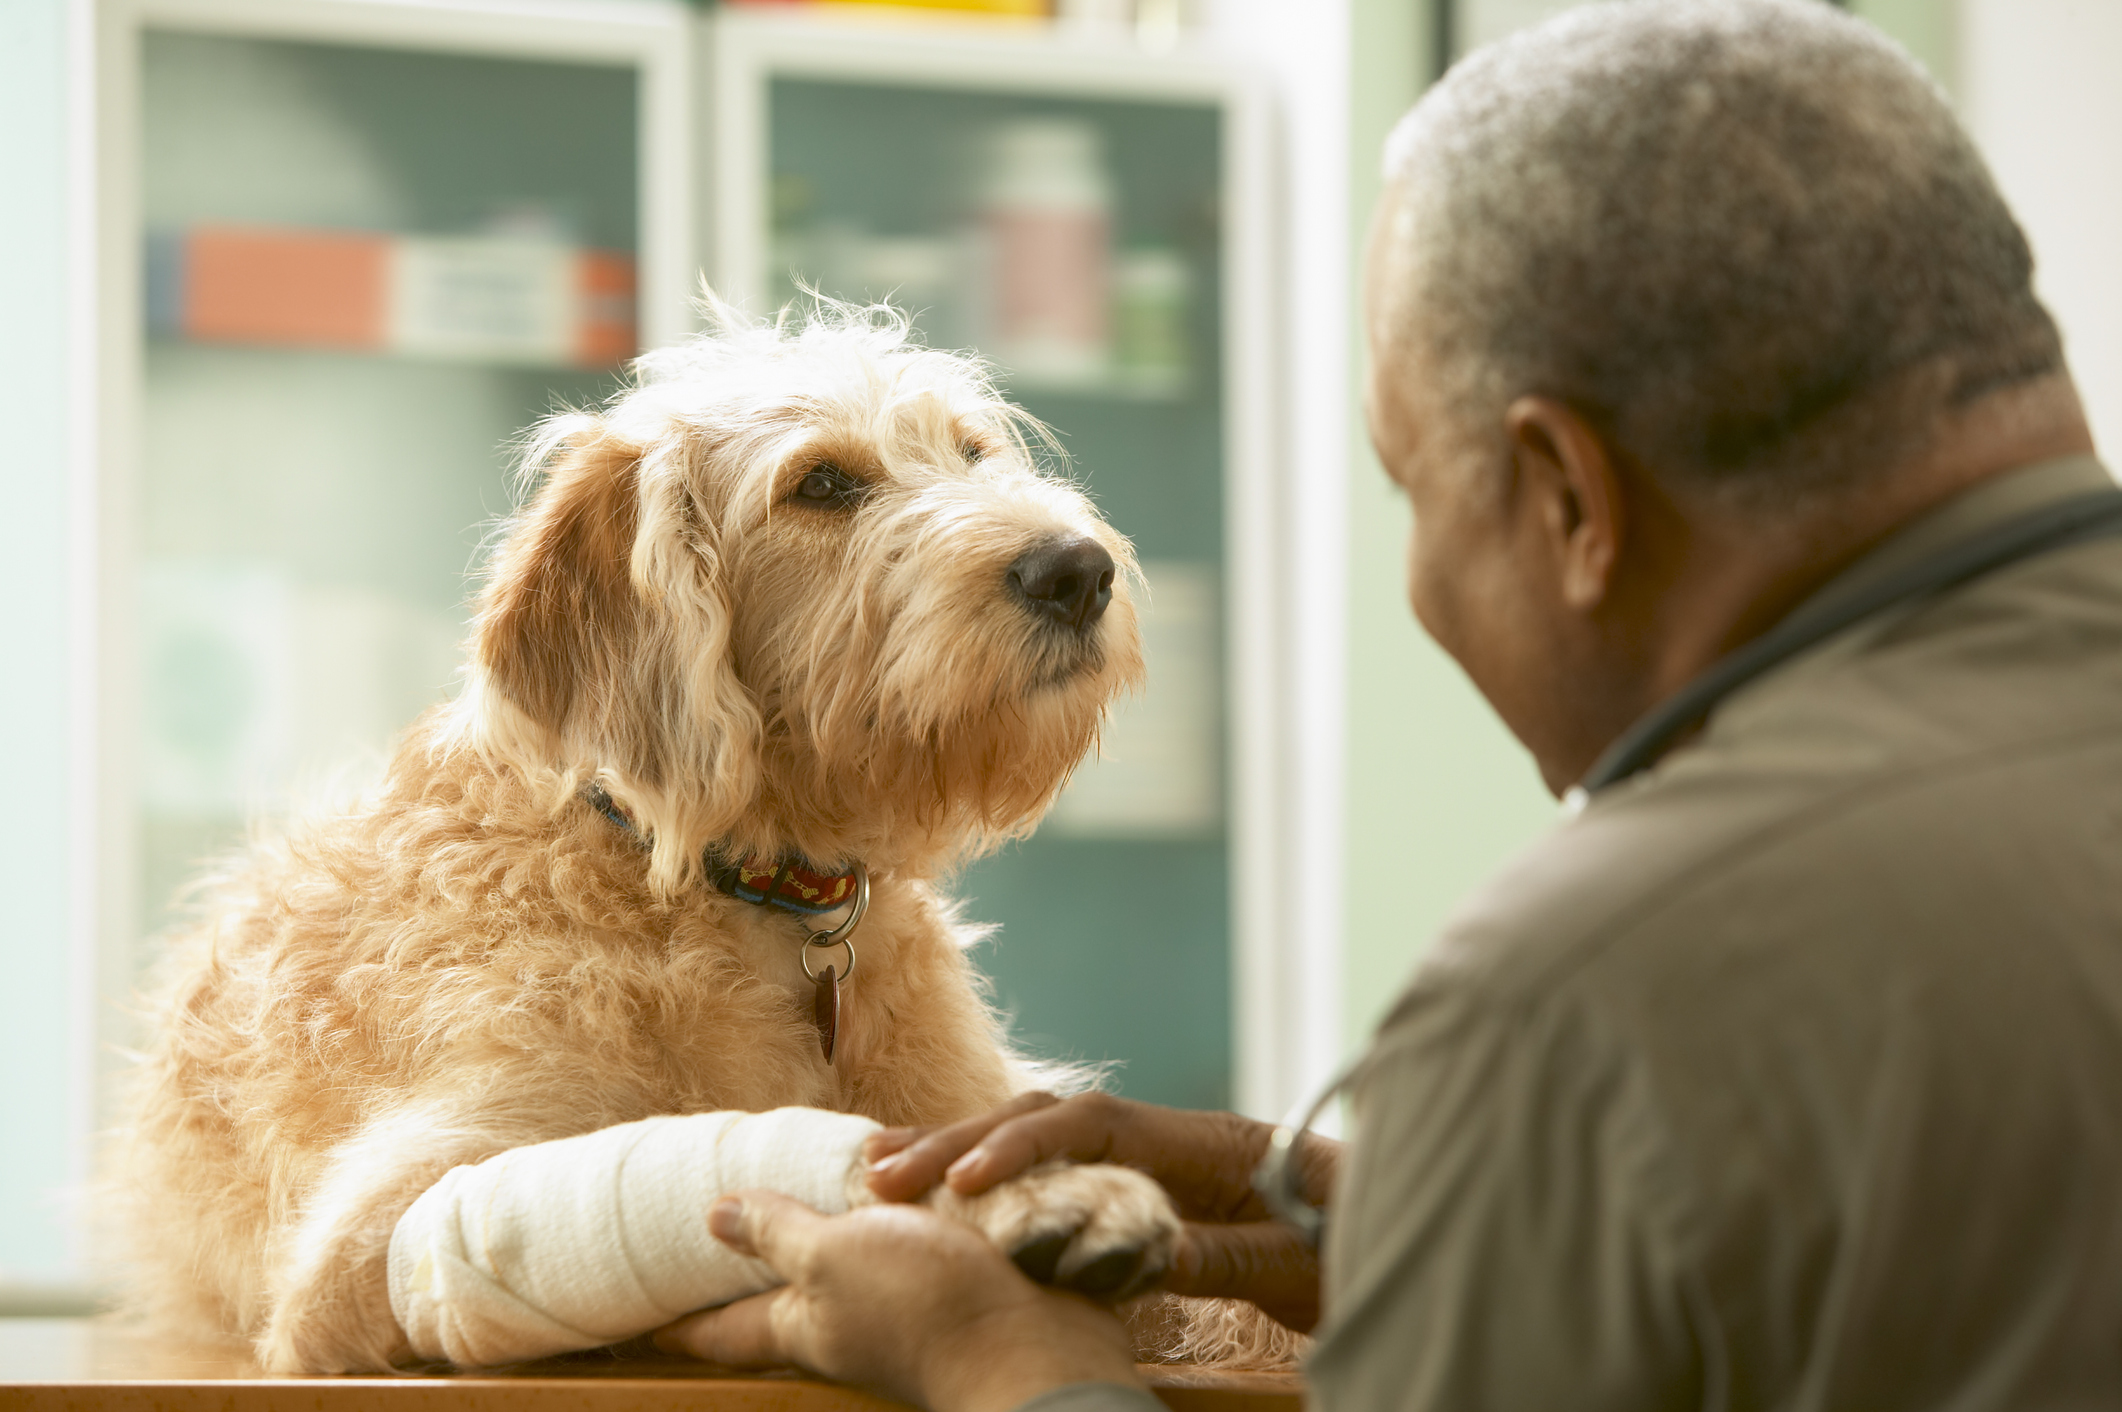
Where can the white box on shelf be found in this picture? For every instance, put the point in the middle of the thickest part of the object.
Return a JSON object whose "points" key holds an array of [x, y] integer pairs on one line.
{"points": [[1159, 767]]}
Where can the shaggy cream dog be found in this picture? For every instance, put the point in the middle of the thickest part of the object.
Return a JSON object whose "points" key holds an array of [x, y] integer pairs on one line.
{"points": [[798, 600]]}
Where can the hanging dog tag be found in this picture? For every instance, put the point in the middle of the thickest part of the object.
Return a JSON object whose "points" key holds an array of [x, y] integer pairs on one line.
{"points": [[825, 1001], [825, 1009]]}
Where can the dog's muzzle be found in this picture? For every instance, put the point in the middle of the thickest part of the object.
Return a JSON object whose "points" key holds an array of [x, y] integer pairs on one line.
{"points": [[1067, 582]]}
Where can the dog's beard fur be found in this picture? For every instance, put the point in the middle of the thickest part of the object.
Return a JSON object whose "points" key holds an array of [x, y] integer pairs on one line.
{"points": [[766, 676]]}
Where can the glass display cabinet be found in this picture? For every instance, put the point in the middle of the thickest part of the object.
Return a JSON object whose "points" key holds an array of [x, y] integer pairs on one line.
{"points": [[349, 249], [350, 252], [338, 254], [1086, 218]]}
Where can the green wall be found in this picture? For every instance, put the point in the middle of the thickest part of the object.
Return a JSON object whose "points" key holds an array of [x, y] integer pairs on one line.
{"points": [[1438, 793], [36, 1035], [1928, 29]]}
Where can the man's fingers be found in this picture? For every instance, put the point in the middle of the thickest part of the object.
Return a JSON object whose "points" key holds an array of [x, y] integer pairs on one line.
{"points": [[739, 1335], [880, 1145], [1263, 1261], [768, 1225], [1080, 1130], [1235, 1260], [916, 1166], [1205, 1160]]}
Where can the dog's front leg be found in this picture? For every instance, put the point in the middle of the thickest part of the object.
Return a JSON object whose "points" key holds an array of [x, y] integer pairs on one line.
{"points": [[432, 1236], [596, 1238], [330, 1292]]}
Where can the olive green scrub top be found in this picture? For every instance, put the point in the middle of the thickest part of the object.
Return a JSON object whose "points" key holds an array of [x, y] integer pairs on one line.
{"points": [[1788, 1074]]}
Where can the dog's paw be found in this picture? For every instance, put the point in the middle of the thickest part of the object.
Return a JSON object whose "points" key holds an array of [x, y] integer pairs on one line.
{"points": [[1103, 1231]]}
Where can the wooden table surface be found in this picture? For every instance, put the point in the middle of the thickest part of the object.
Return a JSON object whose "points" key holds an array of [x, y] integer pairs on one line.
{"points": [[79, 1365]]}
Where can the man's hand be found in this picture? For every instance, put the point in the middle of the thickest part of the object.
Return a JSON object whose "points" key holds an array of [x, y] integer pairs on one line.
{"points": [[901, 1301], [1231, 1246]]}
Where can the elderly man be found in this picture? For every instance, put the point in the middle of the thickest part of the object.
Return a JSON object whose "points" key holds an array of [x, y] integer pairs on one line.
{"points": [[1751, 489]]}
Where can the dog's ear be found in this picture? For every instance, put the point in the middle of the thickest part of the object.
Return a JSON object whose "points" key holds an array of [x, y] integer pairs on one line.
{"points": [[604, 625], [559, 614], [693, 733]]}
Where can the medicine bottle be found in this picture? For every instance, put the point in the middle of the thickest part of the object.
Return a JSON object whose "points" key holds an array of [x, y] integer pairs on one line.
{"points": [[1046, 214]]}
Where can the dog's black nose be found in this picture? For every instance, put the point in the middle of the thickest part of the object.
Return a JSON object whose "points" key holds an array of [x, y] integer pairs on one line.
{"points": [[1067, 580]]}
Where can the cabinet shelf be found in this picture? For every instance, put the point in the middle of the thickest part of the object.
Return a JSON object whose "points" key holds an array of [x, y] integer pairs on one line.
{"points": [[1114, 387], [158, 339]]}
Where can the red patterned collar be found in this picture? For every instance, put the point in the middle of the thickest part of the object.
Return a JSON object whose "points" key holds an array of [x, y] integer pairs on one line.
{"points": [[792, 883]]}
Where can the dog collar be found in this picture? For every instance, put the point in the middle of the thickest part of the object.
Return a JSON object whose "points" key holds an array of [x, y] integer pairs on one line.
{"points": [[792, 883]]}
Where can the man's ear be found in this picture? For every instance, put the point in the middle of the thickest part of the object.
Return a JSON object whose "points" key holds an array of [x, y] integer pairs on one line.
{"points": [[1566, 465], [559, 613]]}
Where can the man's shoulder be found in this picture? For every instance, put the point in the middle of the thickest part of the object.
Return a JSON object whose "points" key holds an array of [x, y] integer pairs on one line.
{"points": [[1598, 880], [1931, 750]]}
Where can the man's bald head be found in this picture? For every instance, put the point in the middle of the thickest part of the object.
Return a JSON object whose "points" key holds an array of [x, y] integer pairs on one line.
{"points": [[1746, 237]]}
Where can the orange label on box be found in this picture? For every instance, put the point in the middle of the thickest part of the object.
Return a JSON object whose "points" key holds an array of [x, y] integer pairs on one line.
{"points": [[309, 288], [533, 303], [606, 333]]}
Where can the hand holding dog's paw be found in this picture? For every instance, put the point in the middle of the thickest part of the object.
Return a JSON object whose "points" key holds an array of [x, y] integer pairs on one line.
{"points": [[1102, 1231], [904, 1302]]}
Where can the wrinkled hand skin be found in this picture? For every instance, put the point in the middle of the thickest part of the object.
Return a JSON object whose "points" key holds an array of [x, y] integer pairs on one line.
{"points": [[903, 1301], [1230, 1246]]}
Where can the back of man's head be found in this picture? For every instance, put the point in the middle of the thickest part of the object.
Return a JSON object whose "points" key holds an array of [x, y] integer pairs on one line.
{"points": [[1747, 237]]}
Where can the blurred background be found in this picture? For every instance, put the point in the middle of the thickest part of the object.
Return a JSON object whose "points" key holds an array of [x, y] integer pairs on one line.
{"points": [[284, 279]]}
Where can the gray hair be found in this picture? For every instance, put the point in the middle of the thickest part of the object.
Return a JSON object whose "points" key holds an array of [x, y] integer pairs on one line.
{"points": [[1746, 237]]}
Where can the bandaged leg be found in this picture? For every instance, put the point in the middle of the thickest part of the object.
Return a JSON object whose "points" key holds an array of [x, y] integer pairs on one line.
{"points": [[589, 1240]]}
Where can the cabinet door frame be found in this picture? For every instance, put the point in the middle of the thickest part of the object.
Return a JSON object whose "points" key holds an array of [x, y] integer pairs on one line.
{"points": [[652, 37], [745, 52]]}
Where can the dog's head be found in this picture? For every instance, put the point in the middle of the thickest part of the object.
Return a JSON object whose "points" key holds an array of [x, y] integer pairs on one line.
{"points": [[803, 589]]}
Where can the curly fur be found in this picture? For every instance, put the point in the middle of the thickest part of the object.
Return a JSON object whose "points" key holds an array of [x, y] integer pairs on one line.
{"points": [[471, 960], [1220, 1333]]}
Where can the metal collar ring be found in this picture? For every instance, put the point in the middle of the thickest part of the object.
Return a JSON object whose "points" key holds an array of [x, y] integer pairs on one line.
{"points": [[854, 916], [843, 941], [843, 934]]}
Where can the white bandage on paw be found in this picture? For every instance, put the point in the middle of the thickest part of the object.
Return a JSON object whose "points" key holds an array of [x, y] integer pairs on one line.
{"points": [[588, 1240]]}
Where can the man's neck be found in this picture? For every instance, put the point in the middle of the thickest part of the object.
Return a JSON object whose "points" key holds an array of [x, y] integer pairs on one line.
{"points": [[1744, 575], [1728, 578]]}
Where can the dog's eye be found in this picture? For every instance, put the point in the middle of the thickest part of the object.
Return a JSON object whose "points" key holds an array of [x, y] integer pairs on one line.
{"points": [[827, 485], [973, 452]]}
